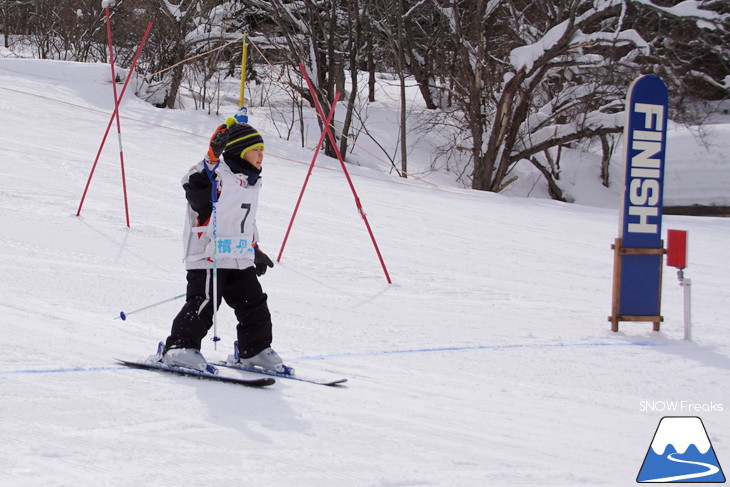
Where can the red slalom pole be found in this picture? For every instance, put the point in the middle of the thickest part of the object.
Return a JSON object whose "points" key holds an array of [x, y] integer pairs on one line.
{"points": [[119, 125], [306, 180], [114, 114], [344, 169]]}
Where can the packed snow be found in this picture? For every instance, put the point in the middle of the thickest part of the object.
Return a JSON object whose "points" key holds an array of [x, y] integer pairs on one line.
{"points": [[487, 361]]}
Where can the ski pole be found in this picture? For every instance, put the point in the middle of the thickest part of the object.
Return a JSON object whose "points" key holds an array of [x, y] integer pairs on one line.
{"points": [[124, 315], [214, 201], [215, 274]]}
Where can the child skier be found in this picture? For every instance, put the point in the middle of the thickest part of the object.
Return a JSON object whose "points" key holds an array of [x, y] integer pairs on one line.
{"points": [[236, 260]]}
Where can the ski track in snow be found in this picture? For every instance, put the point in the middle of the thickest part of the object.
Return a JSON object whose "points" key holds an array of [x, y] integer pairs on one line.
{"points": [[488, 361]]}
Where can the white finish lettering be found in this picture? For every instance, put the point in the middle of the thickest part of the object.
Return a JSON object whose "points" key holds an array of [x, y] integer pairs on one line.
{"points": [[654, 119], [643, 212], [644, 187], [643, 192], [648, 149]]}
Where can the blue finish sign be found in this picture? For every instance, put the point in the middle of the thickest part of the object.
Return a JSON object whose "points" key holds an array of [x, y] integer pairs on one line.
{"points": [[641, 219]]}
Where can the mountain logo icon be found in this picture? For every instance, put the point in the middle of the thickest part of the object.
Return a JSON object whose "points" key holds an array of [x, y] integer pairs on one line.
{"points": [[681, 452]]}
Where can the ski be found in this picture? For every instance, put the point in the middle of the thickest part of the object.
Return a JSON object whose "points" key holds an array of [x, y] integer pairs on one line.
{"points": [[233, 362], [256, 370], [261, 382]]}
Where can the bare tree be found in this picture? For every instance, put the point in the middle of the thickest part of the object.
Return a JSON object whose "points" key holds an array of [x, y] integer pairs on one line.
{"points": [[184, 29], [511, 80], [389, 20], [15, 15], [532, 76], [325, 36]]}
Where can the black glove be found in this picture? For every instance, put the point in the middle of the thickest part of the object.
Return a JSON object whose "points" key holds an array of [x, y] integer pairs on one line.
{"points": [[261, 261], [198, 180], [198, 192]]}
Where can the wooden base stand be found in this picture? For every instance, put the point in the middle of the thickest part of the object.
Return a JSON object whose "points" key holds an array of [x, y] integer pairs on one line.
{"points": [[618, 253]]}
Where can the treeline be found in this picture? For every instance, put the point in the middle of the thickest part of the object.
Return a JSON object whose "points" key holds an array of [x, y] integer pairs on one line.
{"points": [[511, 79]]}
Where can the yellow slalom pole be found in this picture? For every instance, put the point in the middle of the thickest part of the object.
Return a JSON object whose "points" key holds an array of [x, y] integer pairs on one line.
{"points": [[242, 114]]}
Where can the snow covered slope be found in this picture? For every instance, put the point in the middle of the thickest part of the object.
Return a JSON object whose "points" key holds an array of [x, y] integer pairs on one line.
{"points": [[488, 361]]}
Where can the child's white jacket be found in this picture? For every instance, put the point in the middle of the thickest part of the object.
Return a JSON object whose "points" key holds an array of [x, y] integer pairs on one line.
{"points": [[232, 225]]}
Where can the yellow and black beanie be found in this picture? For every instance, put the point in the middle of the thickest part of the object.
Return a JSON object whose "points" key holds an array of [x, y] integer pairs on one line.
{"points": [[241, 138]]}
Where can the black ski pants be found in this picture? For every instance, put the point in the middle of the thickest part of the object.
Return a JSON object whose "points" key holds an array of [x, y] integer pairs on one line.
{"points": [[242, 292]]}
